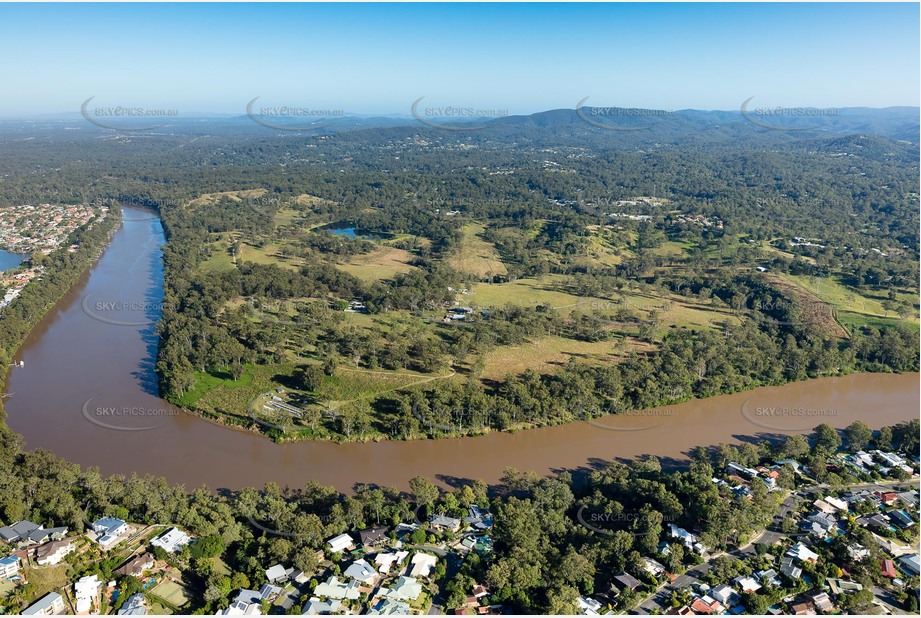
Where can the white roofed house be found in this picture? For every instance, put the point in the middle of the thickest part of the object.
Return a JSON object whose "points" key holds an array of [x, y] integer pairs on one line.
{"points": [[340, 543], [385, 561], [172, 540], [589, 606], [747, 584], [247, 603], [423, 564], [802, 553], [687, 539], [276, 574], [86, 593]]}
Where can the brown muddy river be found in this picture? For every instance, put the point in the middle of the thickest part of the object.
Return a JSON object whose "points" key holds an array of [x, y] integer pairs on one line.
{"points": [[88, 393]]}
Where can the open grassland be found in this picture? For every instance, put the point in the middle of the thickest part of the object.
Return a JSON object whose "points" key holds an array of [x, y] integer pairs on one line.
{"points": [[477, 256], [46, 579], [384, 262], [525, 293], [548, 354]]}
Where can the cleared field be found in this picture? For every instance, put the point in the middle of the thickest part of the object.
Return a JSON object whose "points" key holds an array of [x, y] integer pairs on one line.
{"points": [[351, 384], [547, 354], [237, 196], [383, 262], [525, 293], [475, 255], [843, 298], [171, 592]]}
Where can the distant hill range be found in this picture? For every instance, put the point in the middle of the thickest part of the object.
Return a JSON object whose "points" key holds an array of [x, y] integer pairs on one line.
{"points": [[598, 126]]}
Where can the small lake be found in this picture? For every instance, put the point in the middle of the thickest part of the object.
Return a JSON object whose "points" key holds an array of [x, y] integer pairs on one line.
{"points": [[10, 260], [343, 228]]}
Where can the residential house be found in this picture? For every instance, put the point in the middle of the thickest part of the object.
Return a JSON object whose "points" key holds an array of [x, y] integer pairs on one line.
{"points": [[405, 589], [389, 607], [653, 567], [41, 535], [627, 581], [479, 518], [443, 522], [172, 541], [362, 571], [877, 520], [334, 588], [823, 602], [53, 552], [589, 607], [901, 519], [385, 561], [747, 584], [857, 551], [724, 594], [840, 586], [422, 564], [768, 578], [316, 607], [247, 603], [276, 574], [109, 531], [888, 569], [707, 605], [19, 531], [788, 568], [137, 565], [49, 605], [86, 593], [909, 498], [839, 504], [268, 592], [340, 543], [802, 553], [9, 566], [373, 536], [797, 466], [803, 608], [911, 564], [686, 538], [135, 605]]}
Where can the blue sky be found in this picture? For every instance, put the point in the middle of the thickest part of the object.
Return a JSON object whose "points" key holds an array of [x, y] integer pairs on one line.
{"points": [[518, 57]]}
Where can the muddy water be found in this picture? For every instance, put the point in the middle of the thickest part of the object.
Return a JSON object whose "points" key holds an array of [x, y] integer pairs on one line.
{"points": [[88, 393]]}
